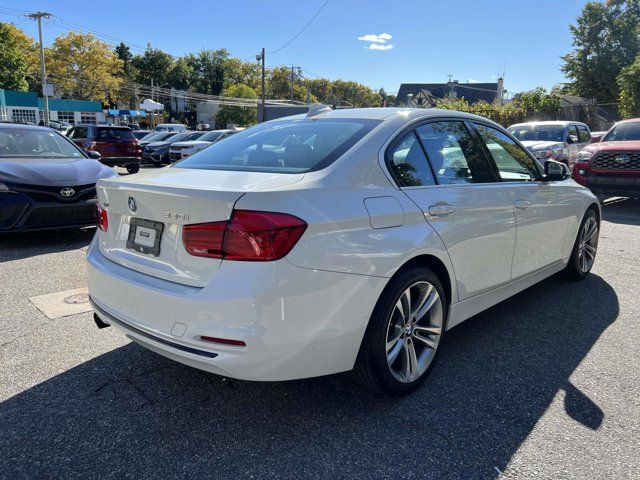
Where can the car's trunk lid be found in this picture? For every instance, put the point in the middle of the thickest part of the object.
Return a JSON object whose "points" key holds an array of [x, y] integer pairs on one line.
{"points": [[174, 197]]}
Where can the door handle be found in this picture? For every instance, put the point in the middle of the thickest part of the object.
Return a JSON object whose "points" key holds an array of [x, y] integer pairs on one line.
{"points": [[522, 204], [441, 209]]}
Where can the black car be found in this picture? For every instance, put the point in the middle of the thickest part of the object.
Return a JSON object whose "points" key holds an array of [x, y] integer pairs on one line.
{"points": [[46, 181], [157, 151]]}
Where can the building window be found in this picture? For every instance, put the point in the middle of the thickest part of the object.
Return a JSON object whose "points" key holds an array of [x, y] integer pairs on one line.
{"points": [[23, 115], [88, 117], [66, 117]]}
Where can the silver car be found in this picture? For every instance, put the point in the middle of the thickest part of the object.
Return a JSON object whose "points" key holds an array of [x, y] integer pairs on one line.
{"points": [[553, 140]]}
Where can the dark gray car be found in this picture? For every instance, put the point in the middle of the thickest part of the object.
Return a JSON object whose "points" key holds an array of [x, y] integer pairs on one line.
{"points": [[46, 181]]}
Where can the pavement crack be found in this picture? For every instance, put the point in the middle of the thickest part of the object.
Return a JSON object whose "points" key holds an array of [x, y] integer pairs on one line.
{"points": [[19, 337]]}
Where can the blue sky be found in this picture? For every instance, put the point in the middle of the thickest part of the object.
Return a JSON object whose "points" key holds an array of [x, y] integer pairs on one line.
{"points": [[473, 40]]}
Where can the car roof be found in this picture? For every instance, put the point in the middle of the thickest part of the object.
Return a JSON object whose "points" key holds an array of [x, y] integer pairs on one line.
{"points": [[388, 113], [629, 120], [561, 123], [22, 125]]}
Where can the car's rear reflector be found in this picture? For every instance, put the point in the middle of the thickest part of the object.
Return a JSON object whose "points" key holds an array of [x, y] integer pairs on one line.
{"points": [[224, 341], [248, 236]]}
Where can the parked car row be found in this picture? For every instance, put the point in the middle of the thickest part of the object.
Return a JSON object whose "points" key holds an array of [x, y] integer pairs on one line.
{"points": [[606, 162]]}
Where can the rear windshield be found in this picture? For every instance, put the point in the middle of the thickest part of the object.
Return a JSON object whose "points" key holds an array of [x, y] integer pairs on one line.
{"points": [[114, 134], [35, 143], [624, 132], [291, 146], [544, 133]]}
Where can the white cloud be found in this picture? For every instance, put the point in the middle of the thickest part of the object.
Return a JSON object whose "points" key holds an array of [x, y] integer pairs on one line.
{"points": [[473, 80], [375, 46], [372, 37]]}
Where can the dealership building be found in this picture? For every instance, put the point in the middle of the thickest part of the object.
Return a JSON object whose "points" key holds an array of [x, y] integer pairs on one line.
{"points": [[27, 107]]}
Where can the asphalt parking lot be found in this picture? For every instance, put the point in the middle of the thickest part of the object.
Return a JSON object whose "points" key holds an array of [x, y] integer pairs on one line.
{"points": [[544, 385]]}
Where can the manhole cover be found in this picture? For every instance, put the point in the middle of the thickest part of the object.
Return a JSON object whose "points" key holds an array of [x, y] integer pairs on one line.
{"points": [[78, 298]]}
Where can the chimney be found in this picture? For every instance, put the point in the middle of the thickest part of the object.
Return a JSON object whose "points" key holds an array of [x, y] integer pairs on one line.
{"points": [[500, 91]]}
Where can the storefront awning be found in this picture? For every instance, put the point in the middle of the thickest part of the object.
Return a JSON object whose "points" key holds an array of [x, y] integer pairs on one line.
{"points": [[129, 113]]}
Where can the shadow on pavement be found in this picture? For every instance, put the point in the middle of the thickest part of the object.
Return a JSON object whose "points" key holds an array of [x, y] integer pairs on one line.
{"points": [[16, 246], [131, 413], [626, 212]]}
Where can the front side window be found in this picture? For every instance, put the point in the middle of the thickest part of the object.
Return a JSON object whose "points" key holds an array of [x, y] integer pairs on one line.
{"points": [[408, 165], [453, 153], [30, 142], [513, 163], [287, 146], [573, 133], [583, 134], [78, 132]]}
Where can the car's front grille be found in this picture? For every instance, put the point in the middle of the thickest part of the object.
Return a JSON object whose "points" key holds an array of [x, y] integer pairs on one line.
{"points": [[616, 160], [68, 215], [42, 193]]}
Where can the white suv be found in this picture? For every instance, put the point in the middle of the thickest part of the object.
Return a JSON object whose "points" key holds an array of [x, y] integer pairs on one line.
{"points": [[340, 240]]}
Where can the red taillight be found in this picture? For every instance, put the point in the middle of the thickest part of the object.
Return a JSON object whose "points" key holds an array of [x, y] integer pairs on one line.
{"points": [[101, 218], [248, 236]]}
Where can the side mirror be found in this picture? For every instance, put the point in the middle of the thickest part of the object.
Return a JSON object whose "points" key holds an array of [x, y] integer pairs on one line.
{"points": [[93, 154], [596, 138], [555, 171]]}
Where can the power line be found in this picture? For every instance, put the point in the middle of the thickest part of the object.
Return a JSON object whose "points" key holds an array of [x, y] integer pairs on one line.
{"points": [[301, 30]]}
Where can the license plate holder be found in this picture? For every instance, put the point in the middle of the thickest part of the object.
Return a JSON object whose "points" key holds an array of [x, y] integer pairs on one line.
{"points": [[144, 236]]}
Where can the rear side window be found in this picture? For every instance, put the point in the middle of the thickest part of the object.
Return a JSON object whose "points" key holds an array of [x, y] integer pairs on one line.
{"points": [[514, 164], [288, 146], [408, 165], [114, 134], [454, 154]]}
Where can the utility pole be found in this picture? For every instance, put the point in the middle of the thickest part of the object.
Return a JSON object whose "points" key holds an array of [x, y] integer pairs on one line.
{"points": [[293, 79], [260, 58], [43, 71], [153, 112]]}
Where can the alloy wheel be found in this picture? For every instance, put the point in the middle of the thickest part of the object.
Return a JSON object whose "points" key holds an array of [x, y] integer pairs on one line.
{"points": [[588, 244], [414, 331]]}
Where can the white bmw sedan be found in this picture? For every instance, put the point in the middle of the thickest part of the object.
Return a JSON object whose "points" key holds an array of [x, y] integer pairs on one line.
{"points": [[333, 241]]}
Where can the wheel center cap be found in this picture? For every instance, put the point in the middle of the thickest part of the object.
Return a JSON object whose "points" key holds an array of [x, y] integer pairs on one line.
{"points": [[408, 329]]}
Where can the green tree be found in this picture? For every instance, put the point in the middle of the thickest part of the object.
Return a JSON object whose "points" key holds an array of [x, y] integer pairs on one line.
{"points": [[154, 65], [240, 116], [84, 67], [180, 75], [235, 71], [606, 40], [629, 84], [538, 102], [208, 70], [18, 59]]}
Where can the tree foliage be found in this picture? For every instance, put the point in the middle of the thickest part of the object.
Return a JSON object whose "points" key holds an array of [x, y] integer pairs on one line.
{"points": [[606, 38], [629, 84], [83, 67], [154, 65], [239, 116], [18, 59]]}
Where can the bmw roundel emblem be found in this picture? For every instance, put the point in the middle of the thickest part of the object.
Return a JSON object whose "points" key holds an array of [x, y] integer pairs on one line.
{"points": [[67, 192], [132, 204]]}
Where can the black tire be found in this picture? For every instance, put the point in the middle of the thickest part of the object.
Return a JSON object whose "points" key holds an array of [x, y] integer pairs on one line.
{"points": [[575, 269], [133, 168], [371, 369]]}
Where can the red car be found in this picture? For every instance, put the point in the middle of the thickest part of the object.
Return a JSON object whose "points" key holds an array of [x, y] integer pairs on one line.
{"points": [[117, 146], [612, 166]]}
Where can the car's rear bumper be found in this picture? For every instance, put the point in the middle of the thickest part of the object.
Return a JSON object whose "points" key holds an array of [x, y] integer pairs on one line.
{"points": [[295, 322], [19, 213]]}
